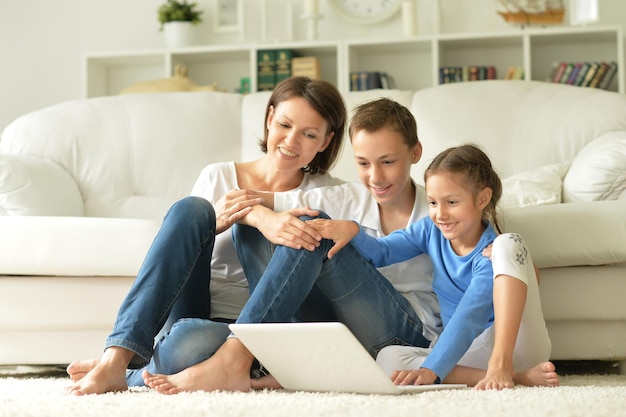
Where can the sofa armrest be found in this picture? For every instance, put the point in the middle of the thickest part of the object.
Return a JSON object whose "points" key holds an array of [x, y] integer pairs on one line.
{"points": [[598, 172], [37, 187], [572, 234], [74, 246]]}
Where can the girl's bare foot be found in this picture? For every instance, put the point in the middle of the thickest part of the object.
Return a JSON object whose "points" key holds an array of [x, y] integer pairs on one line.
{"points": [[542, 375], [78, 369], [497, 379], [109, 375], [228, 370]]}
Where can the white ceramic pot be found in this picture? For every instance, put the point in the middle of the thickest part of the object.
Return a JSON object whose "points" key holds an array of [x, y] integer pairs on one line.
{"points": [[178, 34]]}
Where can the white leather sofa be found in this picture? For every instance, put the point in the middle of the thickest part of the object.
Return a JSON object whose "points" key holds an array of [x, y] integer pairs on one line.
{"points": [[84, 185]]}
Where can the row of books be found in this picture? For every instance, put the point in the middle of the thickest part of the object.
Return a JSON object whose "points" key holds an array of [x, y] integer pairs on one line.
{"points": [[275, 65], [466, 73], [583, 74], [369, 80]]}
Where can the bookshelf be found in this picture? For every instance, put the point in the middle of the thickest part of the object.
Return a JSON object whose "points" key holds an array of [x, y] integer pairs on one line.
{"points": [[413, 62]]}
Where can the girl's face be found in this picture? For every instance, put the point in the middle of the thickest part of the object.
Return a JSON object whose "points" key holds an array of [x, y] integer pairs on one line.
{"points": [[455, 210], [296, 133], [384, 164]]}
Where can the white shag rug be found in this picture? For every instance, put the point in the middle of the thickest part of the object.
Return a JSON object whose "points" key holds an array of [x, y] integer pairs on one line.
{"points": [[578, 395]]}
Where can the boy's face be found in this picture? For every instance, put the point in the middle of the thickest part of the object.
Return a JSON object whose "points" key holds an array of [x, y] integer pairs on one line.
{"points": [[384, 164]]}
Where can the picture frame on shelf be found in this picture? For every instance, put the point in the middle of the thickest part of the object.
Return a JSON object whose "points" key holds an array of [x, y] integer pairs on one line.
{"points": [[227, 16], [267, 20]]}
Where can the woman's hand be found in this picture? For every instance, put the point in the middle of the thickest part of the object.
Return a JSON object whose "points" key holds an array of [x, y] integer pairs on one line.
{"points": [[420, 376], [233, 206], [339, 231], [285, 228]]}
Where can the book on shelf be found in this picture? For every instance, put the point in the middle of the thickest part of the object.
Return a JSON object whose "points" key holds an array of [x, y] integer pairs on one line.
{"points": [[608, 76], [574, 73], [569, 67], [307, 66], [283, 64], [514, 73], [595, 81], [558, 74], [455, 74], [369, 80], [591, 72], [584, 67], [583, 74], [266, 70], [273, 66]]}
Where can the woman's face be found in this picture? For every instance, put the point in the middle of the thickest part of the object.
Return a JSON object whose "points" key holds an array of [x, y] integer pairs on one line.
{"points": [[384, 164], [296, 133]]}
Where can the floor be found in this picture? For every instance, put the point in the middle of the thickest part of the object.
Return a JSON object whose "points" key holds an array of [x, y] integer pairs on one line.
{"points": [[563, 368]]}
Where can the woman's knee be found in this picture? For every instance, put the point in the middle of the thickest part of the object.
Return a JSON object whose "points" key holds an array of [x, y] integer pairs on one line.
{"points": [[192, 210]]}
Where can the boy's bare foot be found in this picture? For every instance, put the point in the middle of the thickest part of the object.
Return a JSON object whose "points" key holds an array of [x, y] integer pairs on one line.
{"points": [[78, 369], [108, 375], [496, 379], [542, 375], [264, 382], [228, 369]]}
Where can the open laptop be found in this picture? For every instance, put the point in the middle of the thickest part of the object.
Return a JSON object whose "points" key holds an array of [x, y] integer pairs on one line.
{"points": [[320, 357]]}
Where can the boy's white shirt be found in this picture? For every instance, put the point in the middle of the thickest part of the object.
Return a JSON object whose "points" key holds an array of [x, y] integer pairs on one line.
{"points": [[352, 201]]}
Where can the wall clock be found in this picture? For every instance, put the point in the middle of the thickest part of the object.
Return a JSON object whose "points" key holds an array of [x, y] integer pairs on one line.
{"points": [[366, 12]]}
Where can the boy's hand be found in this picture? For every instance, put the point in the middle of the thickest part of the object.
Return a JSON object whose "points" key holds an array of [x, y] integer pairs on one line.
{"points": [[287, 229], [487, 251], [339, 231]]}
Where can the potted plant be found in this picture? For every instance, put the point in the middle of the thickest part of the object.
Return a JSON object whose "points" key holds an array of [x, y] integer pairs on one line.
{"points": [[176, 18]]}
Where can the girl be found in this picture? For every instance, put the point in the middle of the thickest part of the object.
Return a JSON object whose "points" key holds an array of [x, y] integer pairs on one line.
{"points": [[304, 127], [462, 190]]}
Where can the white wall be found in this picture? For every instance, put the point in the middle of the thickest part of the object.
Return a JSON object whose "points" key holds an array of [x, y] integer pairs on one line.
{"points": [[42, 42]]}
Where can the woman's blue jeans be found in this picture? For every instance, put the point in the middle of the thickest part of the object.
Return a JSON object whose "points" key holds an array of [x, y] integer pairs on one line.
{"points": [[359, 296], [172, 283]]}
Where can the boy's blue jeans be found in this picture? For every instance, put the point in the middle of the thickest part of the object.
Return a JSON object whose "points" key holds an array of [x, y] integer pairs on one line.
{"points": [[358, 295]]}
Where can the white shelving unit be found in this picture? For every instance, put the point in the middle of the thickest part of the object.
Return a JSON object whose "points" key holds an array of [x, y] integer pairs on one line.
{"points": [[413, 62]]}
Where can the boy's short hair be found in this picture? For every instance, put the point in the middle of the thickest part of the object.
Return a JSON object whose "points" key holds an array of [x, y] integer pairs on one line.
{"points": [[386, 113]]}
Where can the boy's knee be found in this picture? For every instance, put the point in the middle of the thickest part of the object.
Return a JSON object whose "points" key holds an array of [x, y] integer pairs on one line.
{"points": [[321, 215]]}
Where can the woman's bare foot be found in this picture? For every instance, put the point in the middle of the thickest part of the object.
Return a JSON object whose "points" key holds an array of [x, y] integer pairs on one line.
{"points": [[228, 369], [108, 375], [78, 369], [542, 375], [496, 379]]}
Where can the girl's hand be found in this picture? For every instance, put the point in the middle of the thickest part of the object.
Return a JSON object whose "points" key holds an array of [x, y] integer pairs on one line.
{"points": [[287, 229], [339, 231], [420, 376], [233, 206]]}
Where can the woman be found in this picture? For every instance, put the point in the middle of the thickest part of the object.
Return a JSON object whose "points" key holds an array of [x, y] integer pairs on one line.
{"points": [[304, 127]]}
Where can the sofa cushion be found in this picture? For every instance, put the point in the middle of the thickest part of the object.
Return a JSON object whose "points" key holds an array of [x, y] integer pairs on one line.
{"points": [[521, 124], [37, 187], [599, 170], [534, 187]]}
